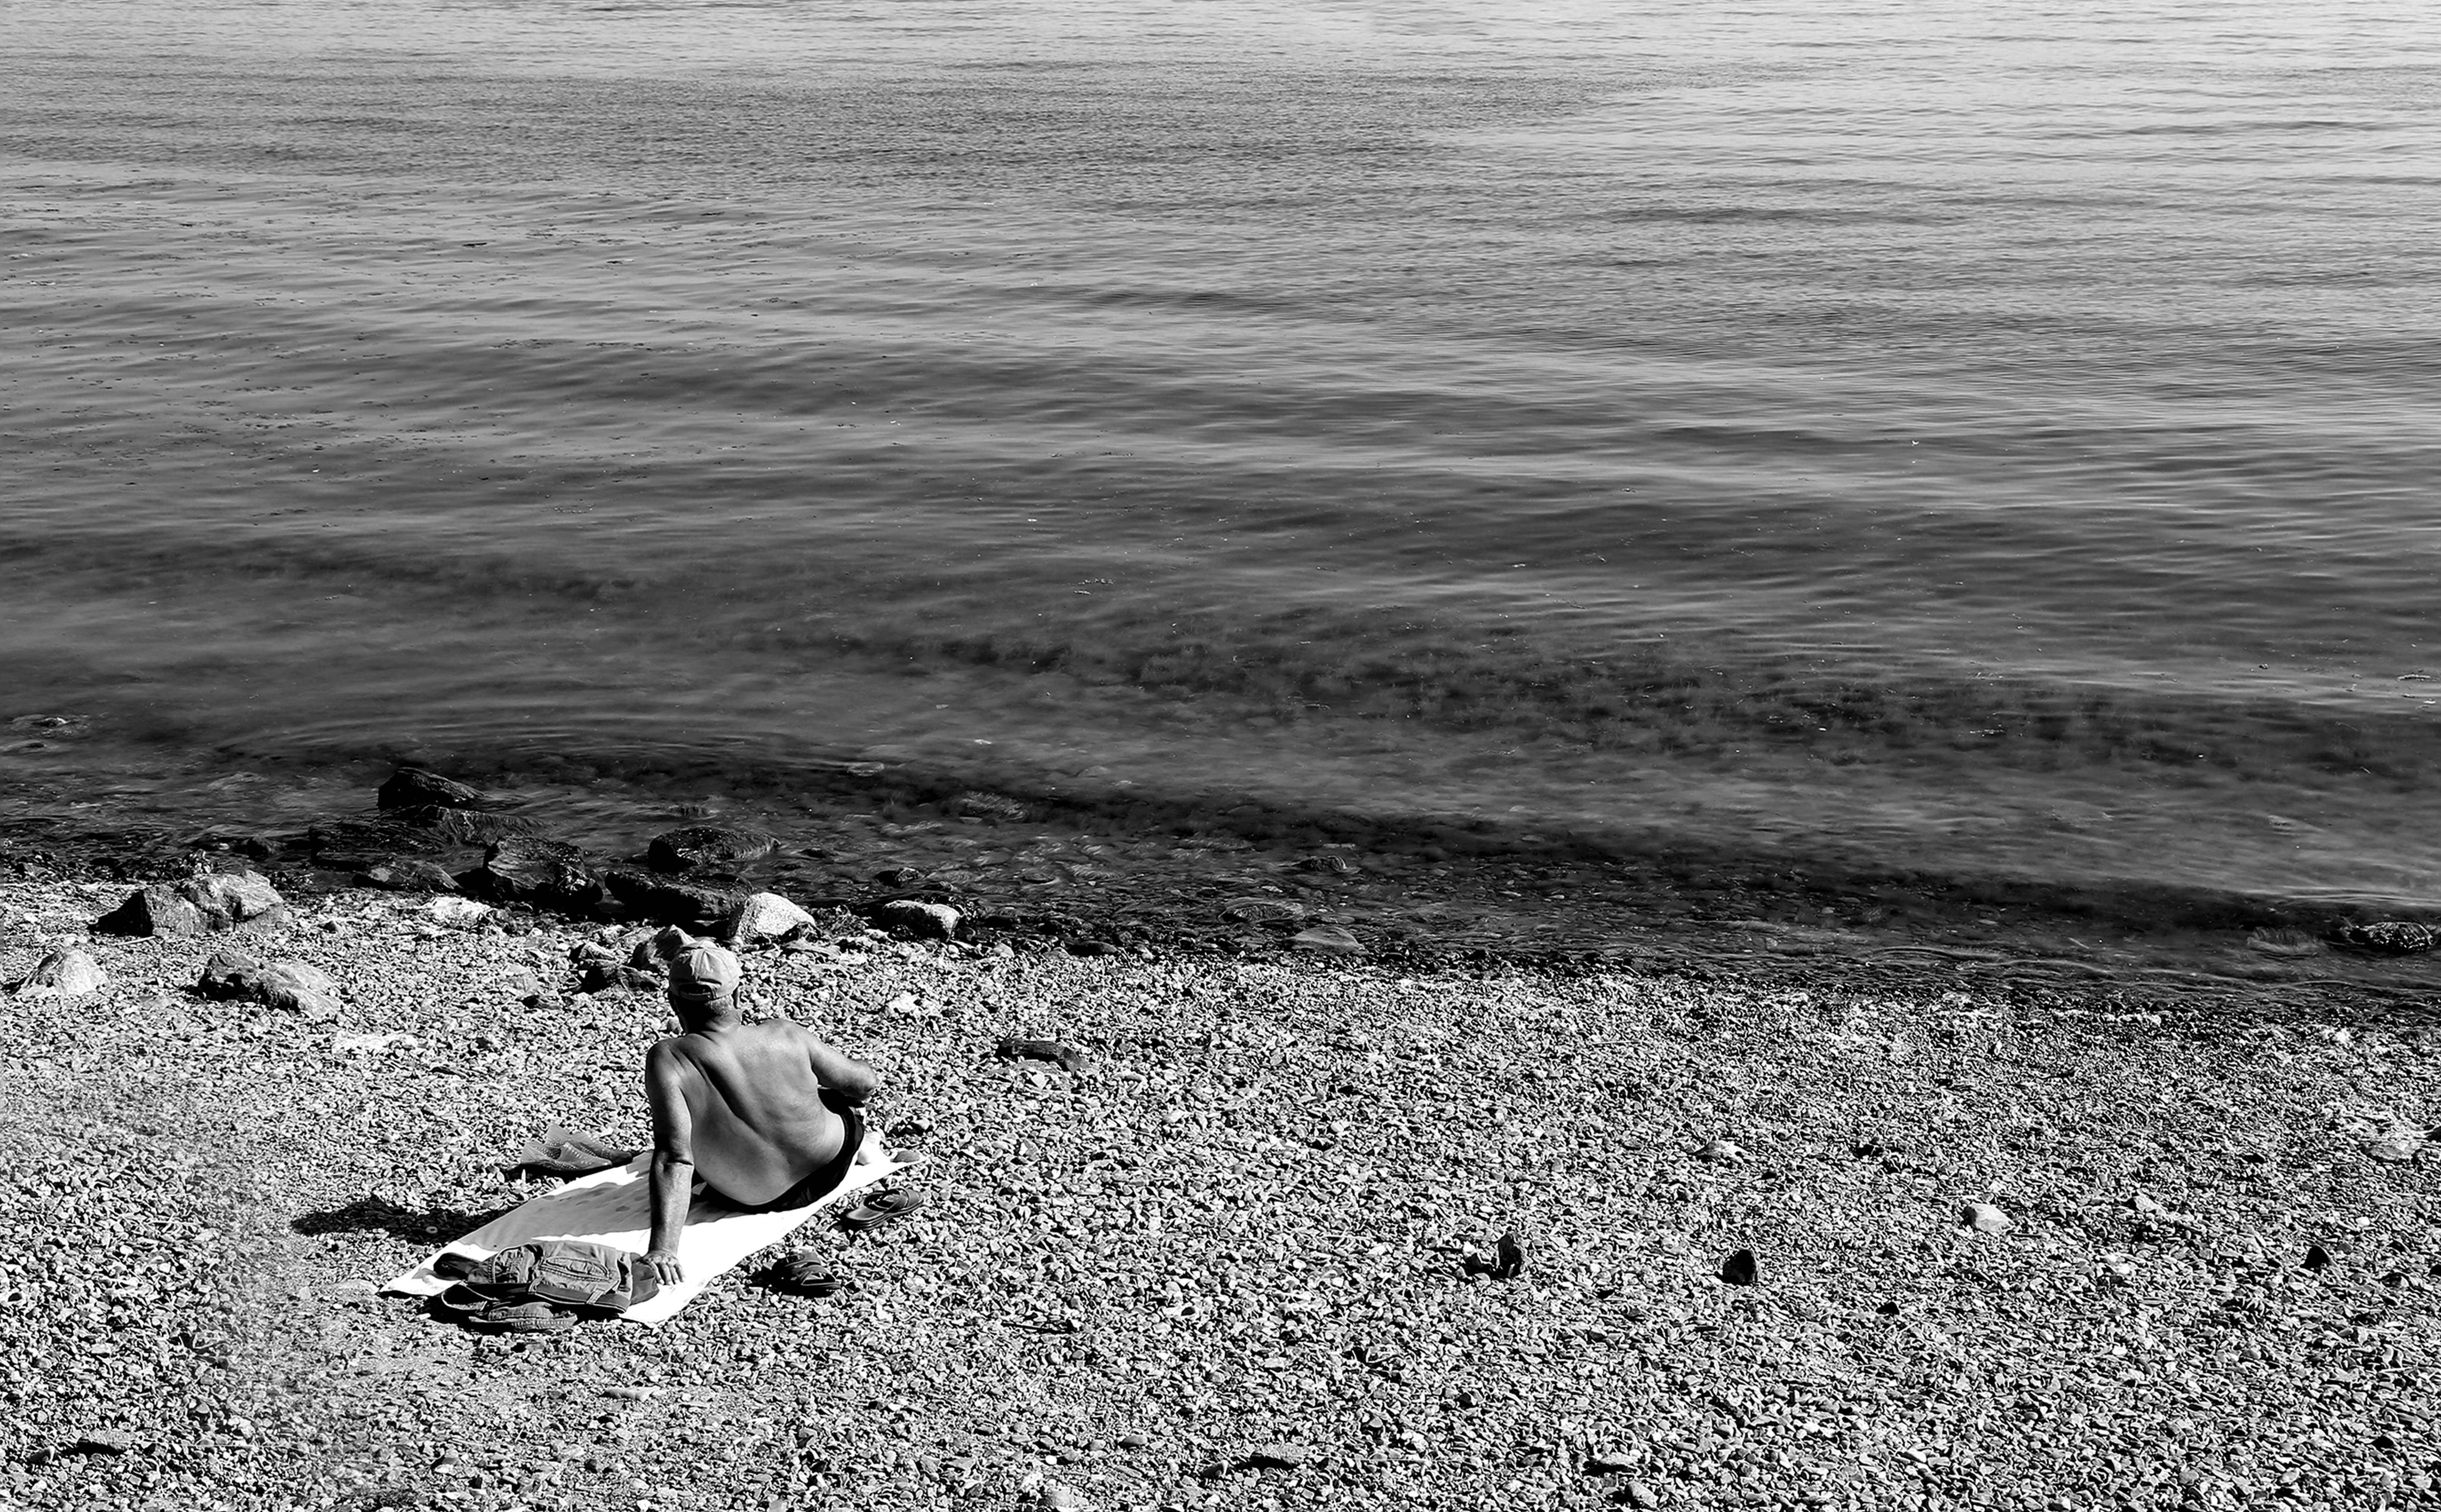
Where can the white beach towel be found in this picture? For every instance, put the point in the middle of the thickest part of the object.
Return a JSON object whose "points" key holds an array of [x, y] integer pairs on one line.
{"points": [[614, 1207]]}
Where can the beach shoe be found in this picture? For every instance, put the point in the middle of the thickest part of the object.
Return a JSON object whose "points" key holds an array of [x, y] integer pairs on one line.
{"points": [[879, 1209], [805, 1275], [525, 1318]]}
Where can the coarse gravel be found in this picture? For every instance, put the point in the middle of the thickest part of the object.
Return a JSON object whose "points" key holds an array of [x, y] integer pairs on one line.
{"points": [[1223, 1265]]}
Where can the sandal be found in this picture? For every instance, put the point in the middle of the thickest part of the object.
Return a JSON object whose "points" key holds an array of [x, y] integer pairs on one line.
{"points": [[804, 1274], [880, 1209]]}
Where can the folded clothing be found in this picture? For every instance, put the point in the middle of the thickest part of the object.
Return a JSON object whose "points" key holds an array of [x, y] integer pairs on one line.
{"points": [[530, 1281], [564, 1154]]}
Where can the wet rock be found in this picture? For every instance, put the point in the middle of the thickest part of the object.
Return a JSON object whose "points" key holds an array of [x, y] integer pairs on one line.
{"points": [[2390, 937], [920, 920], [540, 874], [1328, 939], [63, 974], [765, 916], [1985, 1218], [408, 875], [1330, 863], [2285, 942], [700, 846], [197, 906], [1262, 910], [1094, 947], [993, 805], [466, 826], [1740, 1269], [290, 987], [416, 788], [661, 900]]}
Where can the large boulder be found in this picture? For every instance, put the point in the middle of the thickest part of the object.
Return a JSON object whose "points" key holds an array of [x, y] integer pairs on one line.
{"points": [[765, 916], [415, 788], [291, 986], [661, 900], [707, 847], [63, 974], [542, 873], [200, 905]]}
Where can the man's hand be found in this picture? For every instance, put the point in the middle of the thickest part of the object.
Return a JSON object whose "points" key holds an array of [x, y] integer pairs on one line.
{"points": [[665, 1266]]}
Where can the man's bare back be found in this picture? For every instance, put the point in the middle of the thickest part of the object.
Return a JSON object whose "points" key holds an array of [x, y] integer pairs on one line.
{"points": [[750, 1108]]}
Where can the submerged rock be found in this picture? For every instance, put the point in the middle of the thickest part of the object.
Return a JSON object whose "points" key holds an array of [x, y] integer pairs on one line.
{"points": [[200, 905], [2391, 937], [291, 986], [700, 846], [63, 974], [466, 826], [414, 787]]}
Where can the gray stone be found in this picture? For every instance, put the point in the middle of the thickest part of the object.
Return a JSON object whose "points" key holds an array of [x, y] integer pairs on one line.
{"points": [[922, 921], [415, 788], [291, 986], [541, 873], [200, 905], [767, 916], [1328, 939], [1985, 1218], [406, 875], [63, 974]]}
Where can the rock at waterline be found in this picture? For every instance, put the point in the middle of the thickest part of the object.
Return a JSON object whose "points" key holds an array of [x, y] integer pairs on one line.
{"points": [[698, 846], [1329, 940], [765, 916], [416, 788], [200, 905], [464, 826], [63, 974], [922, 921], [657, 900], [406, 876], [291, 986], [2393, 937], [542, 873]]}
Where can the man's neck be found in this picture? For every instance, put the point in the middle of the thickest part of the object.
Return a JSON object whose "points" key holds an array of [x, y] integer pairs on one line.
{"points": [[712, 1021]]}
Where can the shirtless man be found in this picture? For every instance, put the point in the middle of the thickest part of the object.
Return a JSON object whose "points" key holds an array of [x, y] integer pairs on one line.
{"points": [[766, 1112]]}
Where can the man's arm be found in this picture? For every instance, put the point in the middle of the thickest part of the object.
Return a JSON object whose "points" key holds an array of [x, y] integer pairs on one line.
{"points": [[855, 1081], [673, 1159]]}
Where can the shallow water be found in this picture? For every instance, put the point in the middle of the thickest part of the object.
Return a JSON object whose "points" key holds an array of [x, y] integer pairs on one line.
{"points": [[1958, 438]]}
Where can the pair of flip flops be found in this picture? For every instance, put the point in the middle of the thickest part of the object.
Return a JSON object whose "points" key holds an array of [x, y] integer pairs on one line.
{"points": [[489, 1315]]}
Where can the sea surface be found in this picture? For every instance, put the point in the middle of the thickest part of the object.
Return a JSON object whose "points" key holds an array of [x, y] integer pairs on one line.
{"points": [[1961, 438]]}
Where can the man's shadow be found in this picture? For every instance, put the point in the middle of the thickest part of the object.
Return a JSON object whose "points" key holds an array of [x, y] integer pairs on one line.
{"points": [[378, 1214]]}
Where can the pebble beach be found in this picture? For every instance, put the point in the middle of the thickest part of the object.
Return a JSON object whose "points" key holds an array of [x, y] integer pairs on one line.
{"points": [[2009, 1249]]}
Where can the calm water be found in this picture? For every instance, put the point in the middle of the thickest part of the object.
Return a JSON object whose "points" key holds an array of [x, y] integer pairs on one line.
{"points": [[1948, 435]]}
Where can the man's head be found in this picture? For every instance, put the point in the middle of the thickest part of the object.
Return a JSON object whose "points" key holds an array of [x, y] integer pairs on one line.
{"points": [[703, 982]]}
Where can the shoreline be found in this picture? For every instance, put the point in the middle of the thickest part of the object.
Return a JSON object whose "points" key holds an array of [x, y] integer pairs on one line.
{"points": [[1226, 1263], [1178, 881]]}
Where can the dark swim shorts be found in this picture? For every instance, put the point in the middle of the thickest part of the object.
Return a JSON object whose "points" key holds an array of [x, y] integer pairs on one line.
{"points": [[825, 1179]]}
